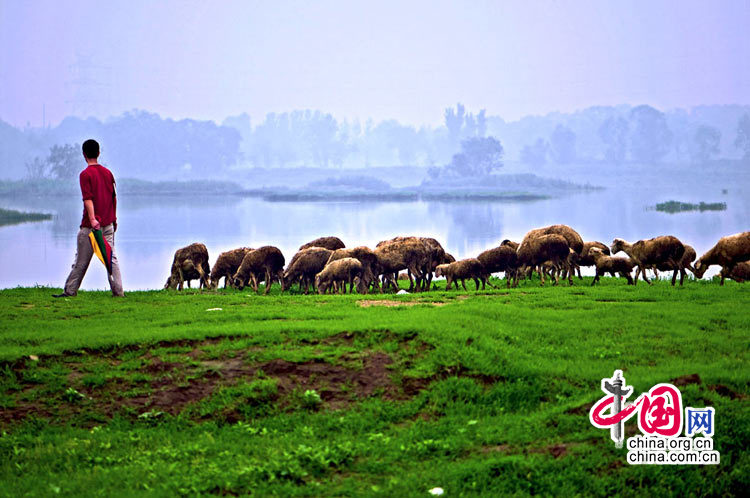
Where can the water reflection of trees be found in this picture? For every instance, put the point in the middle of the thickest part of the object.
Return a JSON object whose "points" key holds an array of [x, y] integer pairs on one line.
{"points": [[471, 223]]}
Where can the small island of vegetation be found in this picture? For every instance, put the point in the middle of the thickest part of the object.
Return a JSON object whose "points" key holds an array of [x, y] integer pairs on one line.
{"points": [[13, 217], [672, 207]]}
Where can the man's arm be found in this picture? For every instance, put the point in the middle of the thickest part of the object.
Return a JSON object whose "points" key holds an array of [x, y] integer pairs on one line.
{"points": [[88, 204]]}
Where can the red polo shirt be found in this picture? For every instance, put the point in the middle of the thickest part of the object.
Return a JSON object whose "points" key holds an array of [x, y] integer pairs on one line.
{"points": [[98, 185]]}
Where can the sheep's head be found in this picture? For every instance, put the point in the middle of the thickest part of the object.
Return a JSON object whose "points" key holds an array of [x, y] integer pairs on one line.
{"points": [[617, 246], [239, 282], [510, 243], [700, 268], [448, 258], [320, 285], [595, 253], [213, 283], [283, 280], [173, 280], [360, 284], [440, 270]]}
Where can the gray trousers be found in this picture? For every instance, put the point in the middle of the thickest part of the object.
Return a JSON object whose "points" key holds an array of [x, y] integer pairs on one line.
{"points": [[84, 252]]}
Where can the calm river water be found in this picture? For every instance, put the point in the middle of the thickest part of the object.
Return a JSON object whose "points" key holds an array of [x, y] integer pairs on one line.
{"points": [[152, 228]]}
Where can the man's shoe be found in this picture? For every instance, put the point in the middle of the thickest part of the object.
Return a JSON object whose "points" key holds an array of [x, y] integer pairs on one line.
{"points": [[61, 295]]}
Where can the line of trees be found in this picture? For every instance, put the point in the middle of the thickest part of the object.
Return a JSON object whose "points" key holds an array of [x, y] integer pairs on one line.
{"points": [[143, 144]]}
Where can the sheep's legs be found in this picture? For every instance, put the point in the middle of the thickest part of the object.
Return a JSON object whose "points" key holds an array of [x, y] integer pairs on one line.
{"points": [[643, 274], [476, 282], [596, 278], [463, 282]]}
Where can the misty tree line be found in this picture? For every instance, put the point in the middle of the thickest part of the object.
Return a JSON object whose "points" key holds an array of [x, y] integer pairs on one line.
{"points": [[142, 144]]}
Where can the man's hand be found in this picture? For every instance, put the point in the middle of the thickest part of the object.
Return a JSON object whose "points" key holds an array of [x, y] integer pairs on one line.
{"points": [[95, 224]]}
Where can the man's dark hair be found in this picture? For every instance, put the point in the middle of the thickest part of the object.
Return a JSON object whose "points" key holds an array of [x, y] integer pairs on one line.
{"points": [[90, 149]]}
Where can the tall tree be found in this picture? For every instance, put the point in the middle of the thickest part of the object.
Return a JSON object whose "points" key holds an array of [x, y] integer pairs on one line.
{"points": [[705, 143], [535, 154], [614, 133], [563, 145], [65, 161], [454, 121], [479, 156], [742, 141], [650, 139]]}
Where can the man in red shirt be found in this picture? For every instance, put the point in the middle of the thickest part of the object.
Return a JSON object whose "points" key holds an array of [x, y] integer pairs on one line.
{"points": [[99, 213]]}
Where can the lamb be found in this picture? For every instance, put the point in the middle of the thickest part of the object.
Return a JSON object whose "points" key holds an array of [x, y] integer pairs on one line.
{"points": [[366, 256], [266, 259], [568, 270], [537, 250], [460, 270], [330, 243], [610, 264], [585, 259], [739, 273], [338, 272], [500, 259], [728, 252], [304, 266], [398, 254], [226, 266], [189, 262], [661, 250]]}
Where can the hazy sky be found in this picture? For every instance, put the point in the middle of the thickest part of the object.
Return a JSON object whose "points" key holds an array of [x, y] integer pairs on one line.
{"points": [[387, 59]]}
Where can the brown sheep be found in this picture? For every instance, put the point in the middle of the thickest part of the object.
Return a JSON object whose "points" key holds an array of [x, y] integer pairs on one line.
{"points": [[510, 243], [665, 249], [500, 259], [304, 266], [436, 257], [337, 274], [461, 270], [687, 262], [226, 266], [574, 240], [610, 264], [367, 257], [567, 271], [739, 273], [190, 262], [330, 243], [535, 251], [399, 254], [585, 259], [727, 252], [266, 260]]}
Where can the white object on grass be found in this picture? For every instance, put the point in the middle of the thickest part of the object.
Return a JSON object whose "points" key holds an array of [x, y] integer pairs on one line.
{"points": [[402, 291], [436, 491], [213, 309]]}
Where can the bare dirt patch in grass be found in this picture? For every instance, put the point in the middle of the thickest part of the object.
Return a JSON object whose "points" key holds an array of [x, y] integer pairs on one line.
{"points": [[389, 303]]}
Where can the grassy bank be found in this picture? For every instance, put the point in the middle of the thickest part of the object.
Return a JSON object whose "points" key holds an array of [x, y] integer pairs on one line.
{"points": [[478, 393], [13, 217]]}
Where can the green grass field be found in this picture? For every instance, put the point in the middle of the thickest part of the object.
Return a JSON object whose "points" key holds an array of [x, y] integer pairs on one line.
{"points": [[477, 393]]}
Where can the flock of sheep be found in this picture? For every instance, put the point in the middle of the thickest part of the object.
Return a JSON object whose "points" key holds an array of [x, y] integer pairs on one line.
{"points": [[554, 251]]}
